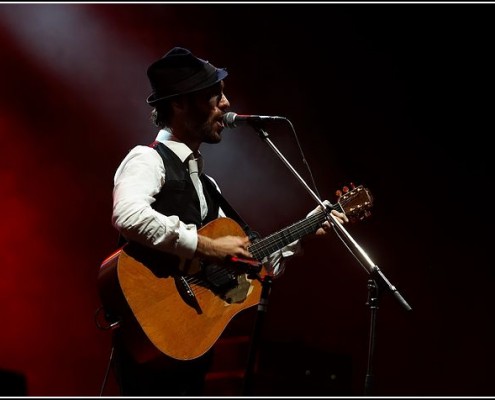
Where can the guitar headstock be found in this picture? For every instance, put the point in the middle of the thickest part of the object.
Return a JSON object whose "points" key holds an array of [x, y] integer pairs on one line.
{"points": [[355, 201]]}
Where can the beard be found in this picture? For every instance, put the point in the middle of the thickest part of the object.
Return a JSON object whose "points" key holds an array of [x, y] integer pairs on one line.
{"points": [[209, 132]]}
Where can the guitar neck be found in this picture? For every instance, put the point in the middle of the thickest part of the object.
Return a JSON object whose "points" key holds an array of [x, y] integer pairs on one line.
{"points": [[278, 240]]}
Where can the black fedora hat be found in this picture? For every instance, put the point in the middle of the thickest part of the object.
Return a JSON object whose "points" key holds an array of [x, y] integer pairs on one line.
{"points": [[180, 72]]}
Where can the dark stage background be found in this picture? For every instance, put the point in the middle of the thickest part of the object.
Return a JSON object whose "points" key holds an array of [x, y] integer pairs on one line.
{"points": [[398, 98]]}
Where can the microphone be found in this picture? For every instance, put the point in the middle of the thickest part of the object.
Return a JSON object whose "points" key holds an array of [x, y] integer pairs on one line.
{"points": [[231, 119]]}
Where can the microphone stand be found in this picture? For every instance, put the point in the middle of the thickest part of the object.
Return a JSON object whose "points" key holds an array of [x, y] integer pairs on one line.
{"points": [[376, 281]]}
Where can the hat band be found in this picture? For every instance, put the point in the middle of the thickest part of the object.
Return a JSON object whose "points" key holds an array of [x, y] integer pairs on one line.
{"points": [[190, 83]]}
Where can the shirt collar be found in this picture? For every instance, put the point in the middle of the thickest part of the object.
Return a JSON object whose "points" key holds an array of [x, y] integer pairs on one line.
{"points": [[166, 137]]}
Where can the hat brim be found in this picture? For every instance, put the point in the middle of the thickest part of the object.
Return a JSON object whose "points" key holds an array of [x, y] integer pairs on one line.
{"points": [[221, 74]]}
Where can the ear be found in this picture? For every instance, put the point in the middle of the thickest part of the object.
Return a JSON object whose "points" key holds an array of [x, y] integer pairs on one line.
{"points": [[178, 104]]}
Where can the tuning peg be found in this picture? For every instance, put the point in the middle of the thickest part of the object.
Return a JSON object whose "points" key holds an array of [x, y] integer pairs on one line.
{"points": [[338, 193], [345, 189], [352, 185]]}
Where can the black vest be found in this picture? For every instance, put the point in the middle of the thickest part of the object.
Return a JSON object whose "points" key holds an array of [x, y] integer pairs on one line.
{"points": [[178, 195]]}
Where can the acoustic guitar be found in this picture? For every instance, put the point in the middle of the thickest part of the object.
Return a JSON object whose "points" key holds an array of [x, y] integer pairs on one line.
{"points": [[182, 310]]}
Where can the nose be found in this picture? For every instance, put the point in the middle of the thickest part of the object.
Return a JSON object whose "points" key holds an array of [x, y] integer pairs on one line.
{"points": [[224, 102]]}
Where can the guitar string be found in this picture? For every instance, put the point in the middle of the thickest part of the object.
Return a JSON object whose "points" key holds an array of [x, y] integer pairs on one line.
{"points": [[271, 239], [261, 248], [200, 284], [266, 245], [203, 284]]}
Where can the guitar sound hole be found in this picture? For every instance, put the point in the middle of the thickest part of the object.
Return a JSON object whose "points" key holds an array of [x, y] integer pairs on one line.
{"points": [[219, 279]]}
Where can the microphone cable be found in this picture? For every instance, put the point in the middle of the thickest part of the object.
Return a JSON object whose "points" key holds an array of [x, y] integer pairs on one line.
{"points": [[305, 162]]}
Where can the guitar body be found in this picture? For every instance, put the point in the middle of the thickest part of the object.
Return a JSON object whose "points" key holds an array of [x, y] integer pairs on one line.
{"points": [[151, 307]]}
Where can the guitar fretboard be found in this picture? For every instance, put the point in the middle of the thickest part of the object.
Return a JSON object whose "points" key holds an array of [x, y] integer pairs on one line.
{"points": [[283, 237]]}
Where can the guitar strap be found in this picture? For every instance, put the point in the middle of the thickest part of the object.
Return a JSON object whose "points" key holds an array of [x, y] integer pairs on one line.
{"points": [[229, 210]]}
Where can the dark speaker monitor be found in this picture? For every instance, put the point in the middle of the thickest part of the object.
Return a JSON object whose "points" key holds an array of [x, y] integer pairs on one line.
{"points": [[12, 383]]}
